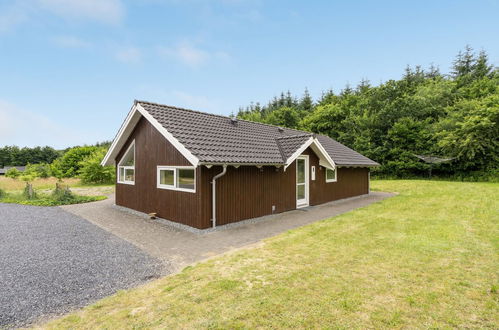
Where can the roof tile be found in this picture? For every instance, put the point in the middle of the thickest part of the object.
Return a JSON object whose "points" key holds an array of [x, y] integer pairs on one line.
{"points": [[219, 139]]}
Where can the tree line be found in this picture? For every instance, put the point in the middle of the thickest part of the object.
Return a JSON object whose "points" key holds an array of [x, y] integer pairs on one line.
{"points": [[425, 112], [79, 161]]}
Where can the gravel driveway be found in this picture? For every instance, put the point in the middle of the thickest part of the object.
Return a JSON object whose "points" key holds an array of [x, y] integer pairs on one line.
{"points": [[52, 261]]}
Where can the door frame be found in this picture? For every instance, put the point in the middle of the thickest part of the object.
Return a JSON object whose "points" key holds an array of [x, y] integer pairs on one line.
{"points": [[303, 202]]}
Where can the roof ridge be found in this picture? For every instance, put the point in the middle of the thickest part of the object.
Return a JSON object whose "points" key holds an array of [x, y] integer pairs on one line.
{"points": [[215, 115], [294, 136]]}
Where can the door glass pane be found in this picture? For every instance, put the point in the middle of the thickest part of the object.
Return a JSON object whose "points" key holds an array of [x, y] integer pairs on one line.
{"points": [[300, 171], [166, 177], [186, 178], [300, 191]]}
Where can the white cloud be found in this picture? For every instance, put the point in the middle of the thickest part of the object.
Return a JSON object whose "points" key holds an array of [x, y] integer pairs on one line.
{"points": [[71, 42], [196, 102], [192, 56], [17, 12], [24, 128], [129, 55], [180, 98], [105, 11], [13, 15], [186, 53]]}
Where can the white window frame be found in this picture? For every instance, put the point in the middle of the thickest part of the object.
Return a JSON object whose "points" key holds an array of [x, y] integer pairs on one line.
{"points": [[335, 175], [119, 167], [175, 178]]}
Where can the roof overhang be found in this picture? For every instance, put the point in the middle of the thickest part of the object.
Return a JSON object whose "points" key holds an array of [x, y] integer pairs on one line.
{"points": [[126, 130], [358, 165], [314, 144]]}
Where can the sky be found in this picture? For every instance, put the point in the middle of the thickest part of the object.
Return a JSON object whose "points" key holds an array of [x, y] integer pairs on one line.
{"points": [[71, 69]]}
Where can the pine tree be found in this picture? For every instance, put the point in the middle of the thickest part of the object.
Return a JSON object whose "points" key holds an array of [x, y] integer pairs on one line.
{"points": [[306, 102], [464, 63], [327, 97], [481, 67]]}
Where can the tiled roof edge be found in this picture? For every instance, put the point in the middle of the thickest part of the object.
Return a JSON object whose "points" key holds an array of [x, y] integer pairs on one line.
{"points": [[215, 115]]}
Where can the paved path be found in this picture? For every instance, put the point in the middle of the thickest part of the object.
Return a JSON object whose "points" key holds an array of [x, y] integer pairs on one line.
{"points": [[52, 261], [180, 247]]}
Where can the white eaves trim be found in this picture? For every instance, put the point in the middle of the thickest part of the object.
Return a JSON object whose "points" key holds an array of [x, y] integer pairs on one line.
{"points": [[324, 158], [179, 146], [126, 129], [124, 132], [327, 161]]}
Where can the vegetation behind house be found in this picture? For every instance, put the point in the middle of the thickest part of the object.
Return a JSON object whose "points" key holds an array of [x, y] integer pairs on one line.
{"points": [[425, 112], [79, 161]]}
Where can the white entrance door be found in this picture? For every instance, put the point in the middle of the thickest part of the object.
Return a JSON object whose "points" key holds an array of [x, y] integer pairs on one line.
{"points": [[302, 181]]}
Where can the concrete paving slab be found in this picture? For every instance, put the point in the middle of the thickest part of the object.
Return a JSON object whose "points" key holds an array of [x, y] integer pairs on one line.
{"points": [[179, 248]]}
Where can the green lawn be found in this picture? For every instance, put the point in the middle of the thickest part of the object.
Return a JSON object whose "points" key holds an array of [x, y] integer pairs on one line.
{"points": [[425, 258]]}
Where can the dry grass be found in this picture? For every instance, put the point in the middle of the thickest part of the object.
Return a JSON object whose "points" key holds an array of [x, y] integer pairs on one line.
{"points": [[427, 258], [48, 184], [9, 184]]}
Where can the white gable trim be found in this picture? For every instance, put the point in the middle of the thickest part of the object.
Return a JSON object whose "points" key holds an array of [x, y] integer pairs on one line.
{"points": [[125, 130], [179, 146], [127, 127], [324, 158], [298, 152], [327, 161]]}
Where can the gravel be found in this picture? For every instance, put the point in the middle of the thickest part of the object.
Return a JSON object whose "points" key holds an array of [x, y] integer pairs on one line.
{"points": [[52, 262]]}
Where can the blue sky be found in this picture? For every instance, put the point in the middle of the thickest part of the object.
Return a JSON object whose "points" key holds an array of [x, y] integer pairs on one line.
{"points": [[70, 69]]}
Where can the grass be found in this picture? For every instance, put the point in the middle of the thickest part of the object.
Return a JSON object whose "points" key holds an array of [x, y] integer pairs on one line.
{"points": [[47, 200], [13, 191], [427, 258], [10, 185]]}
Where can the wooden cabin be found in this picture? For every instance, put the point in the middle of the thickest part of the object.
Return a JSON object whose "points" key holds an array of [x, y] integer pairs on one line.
{"points": [[205, 170]]}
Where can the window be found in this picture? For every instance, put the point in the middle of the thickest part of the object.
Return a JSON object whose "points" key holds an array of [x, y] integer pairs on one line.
{"points": [[177, 178], [330, 175], [126, 166]]}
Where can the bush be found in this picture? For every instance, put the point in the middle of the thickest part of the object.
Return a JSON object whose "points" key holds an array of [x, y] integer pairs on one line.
{"points": [[62, 194], [13, 173], [69, 164], [38, 170], [91, 171], [2, 193], [29, 193]]}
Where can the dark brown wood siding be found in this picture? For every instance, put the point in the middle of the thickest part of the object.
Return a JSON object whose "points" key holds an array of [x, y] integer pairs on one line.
{"points": [[152, 150], [249, 192], [350, 182], [242, 193]]}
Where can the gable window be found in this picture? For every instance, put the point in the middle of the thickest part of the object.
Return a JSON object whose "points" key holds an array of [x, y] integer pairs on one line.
{"points": [[126, 166], [330, 175], [182, 178]]}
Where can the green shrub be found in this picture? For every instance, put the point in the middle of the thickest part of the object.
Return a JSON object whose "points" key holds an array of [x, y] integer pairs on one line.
{"points": [[62, 194], [91, 171], [69, 164], [2, 193], [13, 173], [38, 170], [29, 193]]}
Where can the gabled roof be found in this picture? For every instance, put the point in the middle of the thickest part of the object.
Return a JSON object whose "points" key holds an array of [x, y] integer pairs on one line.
{"points": [[213, 139], [289, 144]]}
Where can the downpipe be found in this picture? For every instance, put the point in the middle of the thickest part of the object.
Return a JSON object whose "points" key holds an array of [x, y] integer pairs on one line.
{"points": [[214, 195]]}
